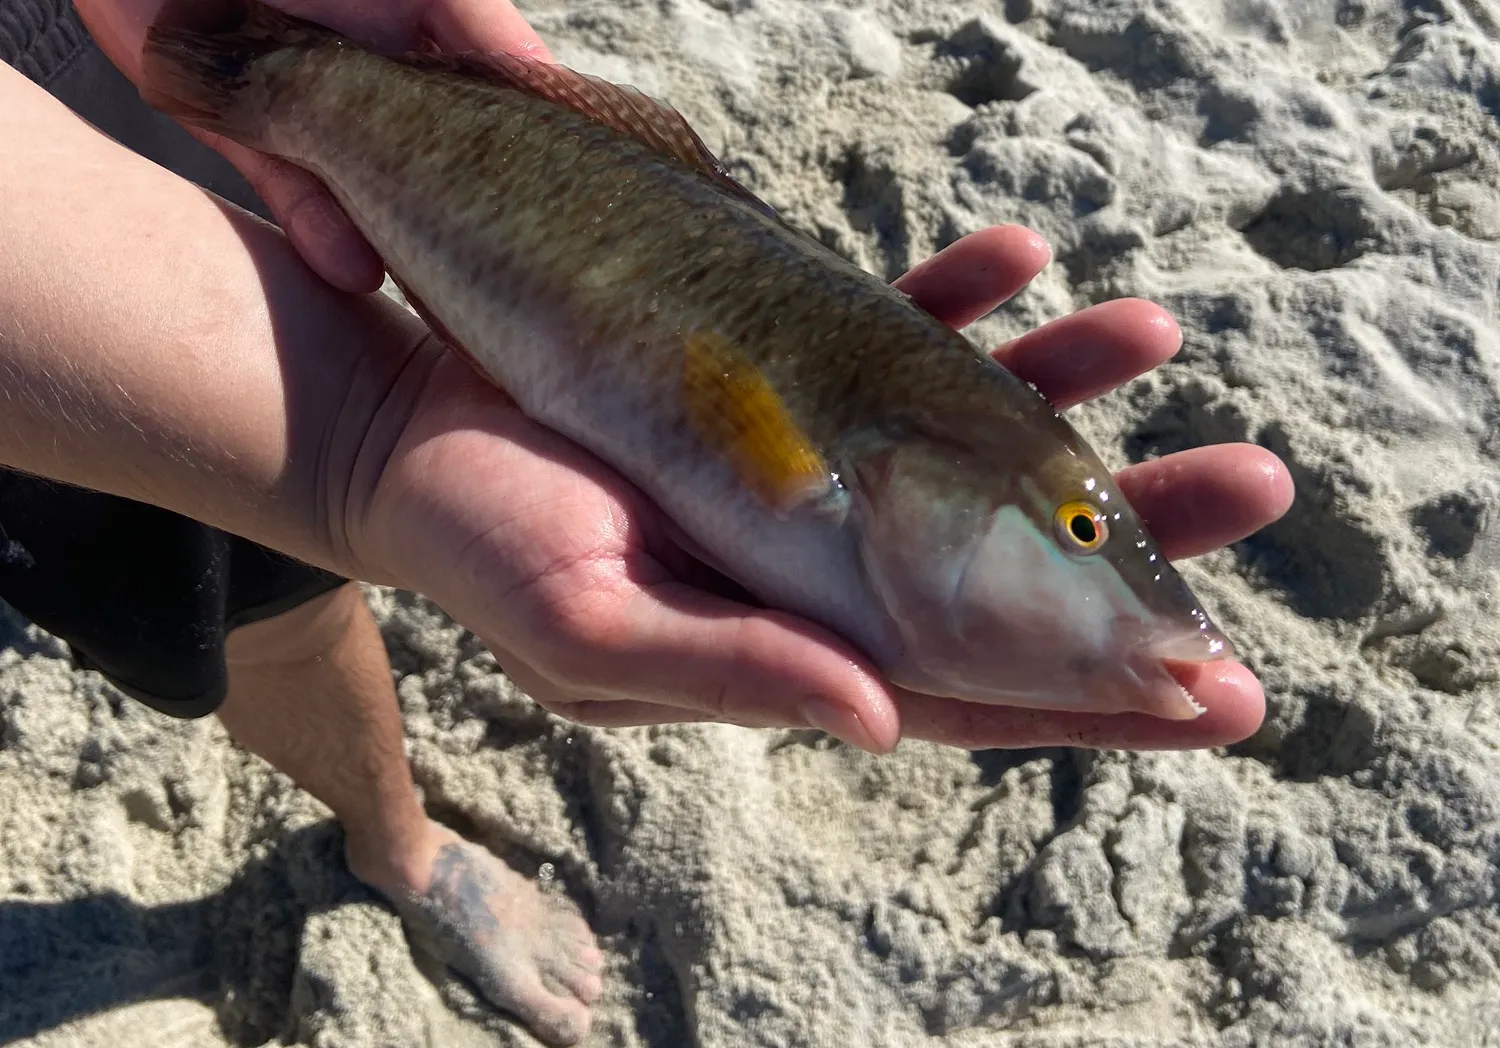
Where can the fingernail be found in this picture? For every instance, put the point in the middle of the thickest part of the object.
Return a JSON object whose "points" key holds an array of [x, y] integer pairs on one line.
{"points": [[1039, 243], [839, 721]]}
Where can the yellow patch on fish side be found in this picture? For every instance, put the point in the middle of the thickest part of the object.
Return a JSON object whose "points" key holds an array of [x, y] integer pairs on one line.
{"points": [[732, 407]]}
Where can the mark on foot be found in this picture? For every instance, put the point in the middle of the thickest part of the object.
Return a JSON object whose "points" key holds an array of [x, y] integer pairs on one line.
{"points": [[528, 954]]}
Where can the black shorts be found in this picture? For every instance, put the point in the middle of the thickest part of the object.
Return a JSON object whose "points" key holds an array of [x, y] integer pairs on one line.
{"points": [[140, 594]]}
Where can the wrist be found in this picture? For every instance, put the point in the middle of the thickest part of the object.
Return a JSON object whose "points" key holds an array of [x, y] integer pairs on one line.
{"points": [[367, 485], [444, 480]]}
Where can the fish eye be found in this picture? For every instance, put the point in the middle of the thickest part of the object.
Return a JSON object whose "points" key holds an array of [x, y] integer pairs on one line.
{"points": [[1081, 527]]}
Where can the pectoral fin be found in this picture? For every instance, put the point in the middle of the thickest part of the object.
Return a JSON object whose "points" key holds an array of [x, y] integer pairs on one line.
{"points": [[733, 409]]}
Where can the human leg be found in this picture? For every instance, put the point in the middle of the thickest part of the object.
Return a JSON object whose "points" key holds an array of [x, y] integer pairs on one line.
{"points": [[310, 691], [192, 621]]}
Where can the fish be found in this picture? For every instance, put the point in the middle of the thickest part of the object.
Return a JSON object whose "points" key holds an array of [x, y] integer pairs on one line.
{"points": [[827, 444]]}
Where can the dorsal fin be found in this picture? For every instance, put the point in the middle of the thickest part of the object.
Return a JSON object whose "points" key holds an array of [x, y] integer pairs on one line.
{"points": [[625, 109]]}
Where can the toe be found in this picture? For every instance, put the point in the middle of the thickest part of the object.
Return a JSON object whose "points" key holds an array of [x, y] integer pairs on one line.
{"points": [[554, 1018], [564, 1030], [582, 982], [590, 958], [578, 939]]}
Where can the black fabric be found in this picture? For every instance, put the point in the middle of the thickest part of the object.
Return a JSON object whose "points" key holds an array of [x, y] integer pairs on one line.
{"points": [[143, 595]]}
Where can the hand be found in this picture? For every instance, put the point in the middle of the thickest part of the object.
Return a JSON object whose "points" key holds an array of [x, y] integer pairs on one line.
{"points": [[313, 222], [575, 581]]}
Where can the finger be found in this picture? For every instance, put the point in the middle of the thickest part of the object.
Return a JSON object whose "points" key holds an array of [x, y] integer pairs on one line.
{"points": [[971, 276], [386, 27], [680, 647], [1230, 694], [482, 25], [605, 713], [599, 713], [324, 236], [1094, 350], [1196, 501], [318, 228]]}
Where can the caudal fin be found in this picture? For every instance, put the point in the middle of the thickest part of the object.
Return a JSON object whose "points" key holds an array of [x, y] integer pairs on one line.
{"points": [[199, 58]]}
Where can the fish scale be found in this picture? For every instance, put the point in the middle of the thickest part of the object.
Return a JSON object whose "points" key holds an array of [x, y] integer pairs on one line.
{"points": [[836, 450]]}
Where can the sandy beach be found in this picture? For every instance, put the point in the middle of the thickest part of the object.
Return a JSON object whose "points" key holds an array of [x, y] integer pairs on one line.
{"points": [[1312, 187]]}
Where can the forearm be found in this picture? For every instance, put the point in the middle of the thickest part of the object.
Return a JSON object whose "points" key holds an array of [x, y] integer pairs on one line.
{"points": [[158, 345]]}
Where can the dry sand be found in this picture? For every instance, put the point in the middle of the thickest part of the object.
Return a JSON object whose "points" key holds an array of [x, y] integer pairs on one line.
{"points": [[1310, 185]]}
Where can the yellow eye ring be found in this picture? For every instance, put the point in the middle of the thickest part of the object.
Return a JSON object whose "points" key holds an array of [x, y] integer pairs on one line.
{"points": [[1081, 527]]}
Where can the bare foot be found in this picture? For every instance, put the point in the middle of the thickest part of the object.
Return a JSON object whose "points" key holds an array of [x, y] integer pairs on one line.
{"points": [[528, 954]]}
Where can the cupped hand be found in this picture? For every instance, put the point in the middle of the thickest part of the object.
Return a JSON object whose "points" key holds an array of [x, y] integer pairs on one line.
{"points": [[305, 210], [580, 587], [579, 584]]}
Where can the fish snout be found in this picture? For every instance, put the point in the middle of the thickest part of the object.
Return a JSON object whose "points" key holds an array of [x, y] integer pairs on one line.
{"points": [[1201, 644]]}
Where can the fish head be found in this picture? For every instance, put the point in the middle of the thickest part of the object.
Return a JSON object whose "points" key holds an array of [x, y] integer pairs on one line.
{"points": [[1025, 583]]}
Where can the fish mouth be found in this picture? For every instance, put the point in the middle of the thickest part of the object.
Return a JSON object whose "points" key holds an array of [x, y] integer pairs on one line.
{"points": [[1161, 665]]}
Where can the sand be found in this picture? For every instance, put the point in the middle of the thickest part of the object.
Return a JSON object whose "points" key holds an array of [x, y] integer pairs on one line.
{"points": [[1310, 187]]}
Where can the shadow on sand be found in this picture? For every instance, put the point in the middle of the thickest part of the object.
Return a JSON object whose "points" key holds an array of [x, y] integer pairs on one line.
{"points": [[235, 950]]}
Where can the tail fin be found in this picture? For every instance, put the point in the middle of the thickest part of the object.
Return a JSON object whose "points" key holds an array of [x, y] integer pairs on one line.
{"points": [[199, 53]]}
